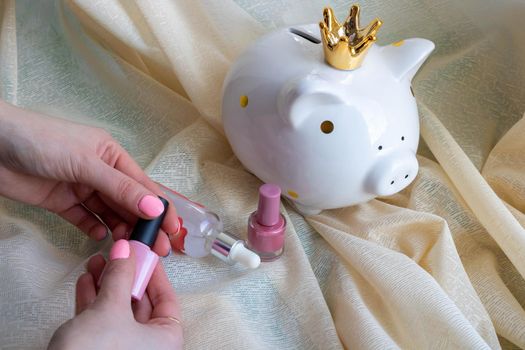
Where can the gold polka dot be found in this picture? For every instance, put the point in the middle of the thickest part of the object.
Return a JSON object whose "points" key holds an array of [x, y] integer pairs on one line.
{"points": [[293, 194], [327, 126], [398, 43], [244, 101]]}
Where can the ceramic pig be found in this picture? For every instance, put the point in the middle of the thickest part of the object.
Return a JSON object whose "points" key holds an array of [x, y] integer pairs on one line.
{"points": [[327, 115]]}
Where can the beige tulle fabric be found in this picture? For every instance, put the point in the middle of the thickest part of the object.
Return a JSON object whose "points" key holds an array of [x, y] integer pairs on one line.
{"points": [[439, 265]]}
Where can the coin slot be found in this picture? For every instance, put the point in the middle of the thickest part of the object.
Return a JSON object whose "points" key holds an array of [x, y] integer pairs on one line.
{"points": [[305, 35]]}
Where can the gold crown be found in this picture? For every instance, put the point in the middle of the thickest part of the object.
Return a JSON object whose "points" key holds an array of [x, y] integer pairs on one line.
{"points": [[346, 45]]}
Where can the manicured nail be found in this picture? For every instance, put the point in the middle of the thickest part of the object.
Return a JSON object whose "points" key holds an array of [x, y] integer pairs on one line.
{"points": [[169, 252], [120, 250], [179, 225], [151, 206]]}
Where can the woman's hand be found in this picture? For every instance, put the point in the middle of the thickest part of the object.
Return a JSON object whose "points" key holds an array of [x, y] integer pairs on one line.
{"points": [[76, 170], [105, 318]]}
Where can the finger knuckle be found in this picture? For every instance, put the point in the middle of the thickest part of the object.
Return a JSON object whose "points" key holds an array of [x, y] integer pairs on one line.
{"points": [[105, 139], [125, 189], [80, 168]]}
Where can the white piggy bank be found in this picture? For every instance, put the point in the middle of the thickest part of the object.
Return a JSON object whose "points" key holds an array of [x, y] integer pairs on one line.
{"points": [[329, 136]]}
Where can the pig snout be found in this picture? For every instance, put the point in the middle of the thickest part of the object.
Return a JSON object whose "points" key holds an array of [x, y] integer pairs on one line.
{"points": [[392, 173]]}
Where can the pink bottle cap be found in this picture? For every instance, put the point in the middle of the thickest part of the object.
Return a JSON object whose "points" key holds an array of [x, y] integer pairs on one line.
{"points": [[269, 203]]}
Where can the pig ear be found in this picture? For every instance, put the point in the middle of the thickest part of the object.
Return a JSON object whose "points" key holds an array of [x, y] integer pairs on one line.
{"points": [[405, 57], [299, 98]]}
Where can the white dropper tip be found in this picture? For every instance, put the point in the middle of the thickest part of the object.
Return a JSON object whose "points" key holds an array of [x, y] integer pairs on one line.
{"points": [[244, 256]]}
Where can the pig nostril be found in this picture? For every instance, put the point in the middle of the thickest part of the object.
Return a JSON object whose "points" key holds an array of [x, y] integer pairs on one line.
{"points": [[392, 182], [406, 176]]}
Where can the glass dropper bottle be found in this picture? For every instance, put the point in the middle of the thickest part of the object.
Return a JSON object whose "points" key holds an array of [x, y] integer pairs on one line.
{"points": [[202, 233]]}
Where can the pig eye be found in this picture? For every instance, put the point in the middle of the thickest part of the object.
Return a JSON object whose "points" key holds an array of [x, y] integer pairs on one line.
{"points": [[402, 138], [327, 127], [380, 148]]}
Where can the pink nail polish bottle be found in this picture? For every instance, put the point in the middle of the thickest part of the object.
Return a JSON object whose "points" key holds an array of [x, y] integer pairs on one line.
{"points": [[141, 241], [267, 226]]}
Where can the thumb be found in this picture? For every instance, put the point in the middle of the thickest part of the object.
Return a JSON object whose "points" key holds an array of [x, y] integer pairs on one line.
{"points": [[118, 275]]}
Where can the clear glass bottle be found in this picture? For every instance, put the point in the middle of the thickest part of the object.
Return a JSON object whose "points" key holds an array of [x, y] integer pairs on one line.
{"points": [[202, 233]]}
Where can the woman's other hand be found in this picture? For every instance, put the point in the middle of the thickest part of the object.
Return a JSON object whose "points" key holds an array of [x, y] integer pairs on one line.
{"points": [[106, 319]]}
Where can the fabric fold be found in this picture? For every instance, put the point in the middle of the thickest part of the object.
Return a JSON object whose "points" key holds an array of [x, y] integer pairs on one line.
{"points": [[439, 265]]}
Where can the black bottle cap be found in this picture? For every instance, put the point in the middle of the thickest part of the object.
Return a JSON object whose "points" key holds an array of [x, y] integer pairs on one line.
{"points": [[146, 231]]}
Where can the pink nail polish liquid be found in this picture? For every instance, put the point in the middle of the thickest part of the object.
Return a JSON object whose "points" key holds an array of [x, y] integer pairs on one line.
{"points": [[267, 226]]}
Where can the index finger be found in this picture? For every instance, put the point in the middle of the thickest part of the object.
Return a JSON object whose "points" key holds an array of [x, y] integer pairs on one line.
{"points": [[128, 166]]}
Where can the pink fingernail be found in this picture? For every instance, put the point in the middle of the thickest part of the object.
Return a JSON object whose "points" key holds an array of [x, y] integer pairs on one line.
{"points": [[179, 225], [151, 206], [120, 250]]}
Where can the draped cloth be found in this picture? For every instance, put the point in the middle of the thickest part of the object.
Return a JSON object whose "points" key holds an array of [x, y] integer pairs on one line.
{"points": [[439, 265]]}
